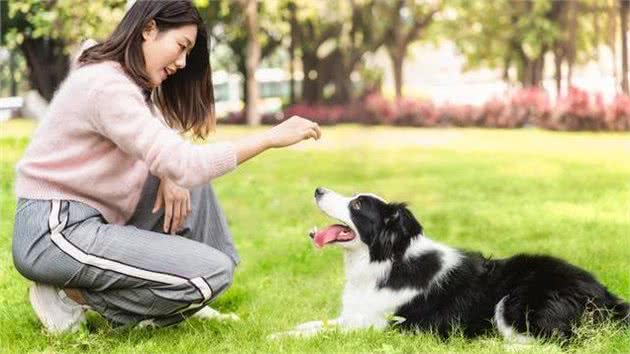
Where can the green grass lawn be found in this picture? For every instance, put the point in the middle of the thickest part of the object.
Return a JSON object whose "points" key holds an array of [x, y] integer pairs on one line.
{"points": [[498, 191]]}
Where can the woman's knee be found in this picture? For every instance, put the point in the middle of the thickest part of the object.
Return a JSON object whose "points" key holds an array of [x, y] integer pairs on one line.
{"points": [[218, 271], [37, 267], [21, 265], [44, 269]]}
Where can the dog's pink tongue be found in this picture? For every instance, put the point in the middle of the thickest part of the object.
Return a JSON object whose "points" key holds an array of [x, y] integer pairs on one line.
{"points": [[327, 235]]}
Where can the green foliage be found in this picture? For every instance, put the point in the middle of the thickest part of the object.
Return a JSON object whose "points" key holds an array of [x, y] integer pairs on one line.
{"points": [[489, 32], [484, 30], [497, 34], [68, 20], [536, 30], [226, 21], [19, 73], [498, 191]]}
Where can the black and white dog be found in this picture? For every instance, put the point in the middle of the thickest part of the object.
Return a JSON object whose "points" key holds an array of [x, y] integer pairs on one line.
{"points": [[395, 273]]}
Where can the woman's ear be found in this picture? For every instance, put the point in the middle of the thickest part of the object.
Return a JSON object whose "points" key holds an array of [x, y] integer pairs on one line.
{"points": [[150, 30]]}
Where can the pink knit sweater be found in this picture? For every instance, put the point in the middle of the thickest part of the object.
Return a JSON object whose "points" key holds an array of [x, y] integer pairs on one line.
{"points": [[99, 140]]}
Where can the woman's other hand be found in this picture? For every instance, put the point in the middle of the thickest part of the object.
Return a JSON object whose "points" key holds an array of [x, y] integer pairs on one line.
{"points": [[176, 203]]}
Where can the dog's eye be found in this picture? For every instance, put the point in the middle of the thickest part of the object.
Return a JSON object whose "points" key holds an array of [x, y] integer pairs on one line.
{"points": [[356, 205]]}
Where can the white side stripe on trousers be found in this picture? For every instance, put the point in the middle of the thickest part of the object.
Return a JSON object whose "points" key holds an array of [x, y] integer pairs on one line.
{"points": [[56, 228]]}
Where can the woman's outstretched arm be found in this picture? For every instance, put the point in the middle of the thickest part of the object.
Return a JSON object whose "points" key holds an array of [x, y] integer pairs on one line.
{"points": [[289, 132]]}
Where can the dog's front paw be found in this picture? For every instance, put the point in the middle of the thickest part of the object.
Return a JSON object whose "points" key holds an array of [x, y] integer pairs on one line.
{"points": [[306, 329], [295, 333], [208, 313], [310, 325], [280, 335]]}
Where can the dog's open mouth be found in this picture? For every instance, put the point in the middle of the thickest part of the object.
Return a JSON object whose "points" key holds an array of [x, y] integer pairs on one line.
{"points": [[330, 234]]}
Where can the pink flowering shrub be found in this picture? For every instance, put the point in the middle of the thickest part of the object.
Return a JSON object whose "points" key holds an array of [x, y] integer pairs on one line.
{"points": [[618, 114], [577, 110]]}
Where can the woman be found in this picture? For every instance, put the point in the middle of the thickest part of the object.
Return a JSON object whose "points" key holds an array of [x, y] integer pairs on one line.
{"points": [[87, 228]]}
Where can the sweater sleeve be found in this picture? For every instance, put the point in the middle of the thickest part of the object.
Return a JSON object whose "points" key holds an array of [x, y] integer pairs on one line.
{"points": [[121, 115]]}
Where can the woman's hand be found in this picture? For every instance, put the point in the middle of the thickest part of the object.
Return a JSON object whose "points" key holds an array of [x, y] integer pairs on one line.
{"points": [[292, 131], [289, 132], [176, 202]]}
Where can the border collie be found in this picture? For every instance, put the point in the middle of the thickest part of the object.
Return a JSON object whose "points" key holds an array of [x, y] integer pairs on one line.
{"points": [[396, 274]]}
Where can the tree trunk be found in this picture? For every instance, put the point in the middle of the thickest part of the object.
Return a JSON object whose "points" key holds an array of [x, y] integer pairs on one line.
{"points": [[292, 75], [397, 63], [310, 85], [47, 63], [335, 70], [539, 69], [292, 46], [530, 71], [557, 60], [507, 61], [558, 15], [611, 34], [623, 12], [12, 72], [253, 59], [571, 45], [343, 88]]}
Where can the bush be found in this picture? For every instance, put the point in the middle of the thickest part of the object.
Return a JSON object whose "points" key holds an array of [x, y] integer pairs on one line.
{"points": [[375, 109], [528, 106], [523, 107], [576, 111], [322, 114], [239, 118], [416, 113], [458, 115], [618, 113]]}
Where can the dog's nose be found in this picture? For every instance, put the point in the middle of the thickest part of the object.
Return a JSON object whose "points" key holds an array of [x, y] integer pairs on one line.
{"points": [[319, 191]]}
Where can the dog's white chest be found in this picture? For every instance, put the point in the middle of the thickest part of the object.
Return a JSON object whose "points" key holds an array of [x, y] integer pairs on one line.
{"points": [[364, 303]]}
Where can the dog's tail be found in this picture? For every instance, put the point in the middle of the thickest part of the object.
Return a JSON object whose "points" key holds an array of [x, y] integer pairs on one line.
{"points": [[621, 312]]}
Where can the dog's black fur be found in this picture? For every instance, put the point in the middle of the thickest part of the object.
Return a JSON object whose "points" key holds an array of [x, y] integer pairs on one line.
{"points": [[544, 296]]}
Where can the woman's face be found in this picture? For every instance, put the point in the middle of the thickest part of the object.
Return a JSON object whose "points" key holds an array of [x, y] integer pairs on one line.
{"points": [[165, 51]]}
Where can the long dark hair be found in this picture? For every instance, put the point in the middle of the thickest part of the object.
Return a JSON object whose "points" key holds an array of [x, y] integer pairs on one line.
{"points": [[186, 98]]}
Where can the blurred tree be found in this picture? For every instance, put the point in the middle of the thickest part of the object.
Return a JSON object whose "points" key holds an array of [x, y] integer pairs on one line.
{"points": [[252, 61], [610, 14], [506, 34], [311, 32], [407, 20], [329, 37], [560, 45], [10, 74], [229, 25], [46, 31], [515, 34], [291, 17], [623, 13], [583, 26], [333, 37]]}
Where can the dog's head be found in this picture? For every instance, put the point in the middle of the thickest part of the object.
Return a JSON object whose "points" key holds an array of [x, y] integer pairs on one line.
{"points": [[386, 229]]}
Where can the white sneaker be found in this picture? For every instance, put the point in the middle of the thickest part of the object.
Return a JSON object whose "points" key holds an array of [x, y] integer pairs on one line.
{"points": [[57, 312]]}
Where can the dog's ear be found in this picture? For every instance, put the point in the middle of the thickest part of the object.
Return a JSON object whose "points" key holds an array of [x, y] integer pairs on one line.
{"points": [[402, 221], [383, 245], [400, 226]]}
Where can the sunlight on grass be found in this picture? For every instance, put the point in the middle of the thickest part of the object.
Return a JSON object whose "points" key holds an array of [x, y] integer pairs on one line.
{"points": [[17, 128], [497, 191]]}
